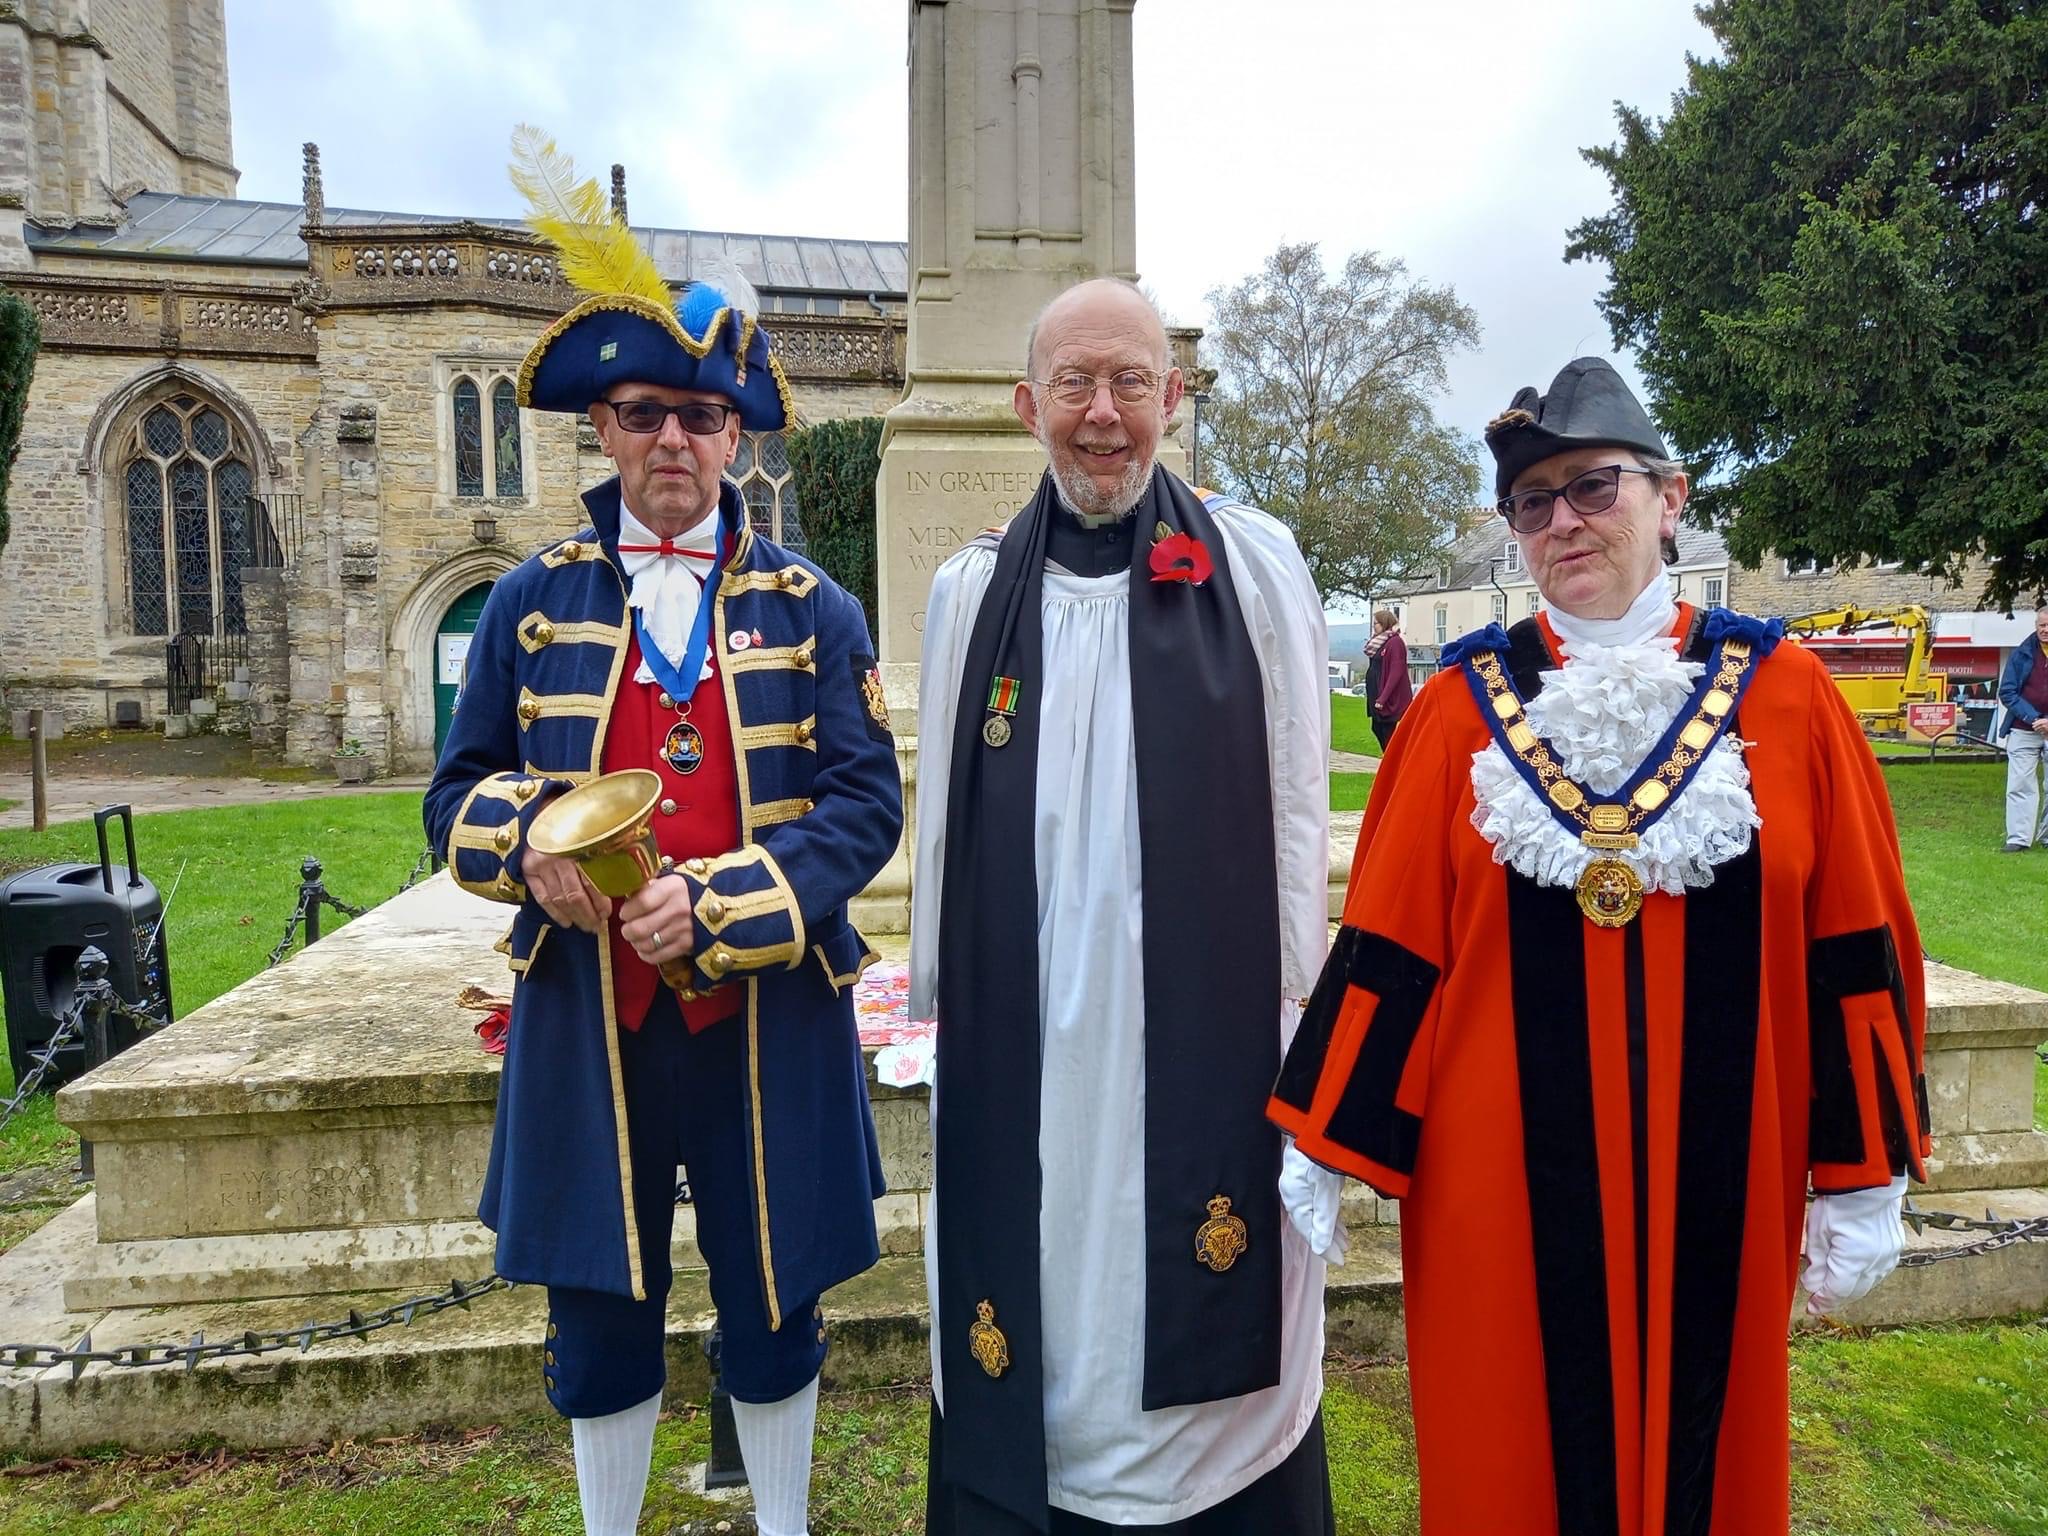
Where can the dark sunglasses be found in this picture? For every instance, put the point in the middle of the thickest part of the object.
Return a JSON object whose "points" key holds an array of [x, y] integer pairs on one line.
{"points": [[700, 418], [1530, 511]]}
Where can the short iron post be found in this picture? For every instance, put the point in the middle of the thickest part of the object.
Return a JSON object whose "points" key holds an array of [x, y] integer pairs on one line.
{"points": [[726, 1468], [311, 894], [94, 995]]}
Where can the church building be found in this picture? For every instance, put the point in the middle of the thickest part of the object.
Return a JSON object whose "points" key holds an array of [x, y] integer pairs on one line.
{"points": [[272, 459]]}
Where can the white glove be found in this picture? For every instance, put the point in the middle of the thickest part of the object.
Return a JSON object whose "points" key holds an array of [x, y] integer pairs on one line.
{"points": [[1852, 1241], [1312, 1196]]}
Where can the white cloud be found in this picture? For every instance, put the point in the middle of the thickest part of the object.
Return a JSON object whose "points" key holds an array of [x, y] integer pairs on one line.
{"points": [[1446, 134]]}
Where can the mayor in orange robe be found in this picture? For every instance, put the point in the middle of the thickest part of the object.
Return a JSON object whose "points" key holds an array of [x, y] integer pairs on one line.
{"points": [[1626, 969]]}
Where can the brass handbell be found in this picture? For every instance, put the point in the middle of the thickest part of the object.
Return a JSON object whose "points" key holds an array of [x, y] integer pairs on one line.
{"points": [[607, 827]]}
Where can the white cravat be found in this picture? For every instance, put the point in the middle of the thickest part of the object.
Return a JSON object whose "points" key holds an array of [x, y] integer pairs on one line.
{"points": [[1648, 618], [667, 588]]}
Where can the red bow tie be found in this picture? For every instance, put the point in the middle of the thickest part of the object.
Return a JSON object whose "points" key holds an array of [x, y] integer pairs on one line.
{"points": [[665, 547]]}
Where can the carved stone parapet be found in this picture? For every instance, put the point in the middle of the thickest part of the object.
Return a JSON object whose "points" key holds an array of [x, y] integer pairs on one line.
{"points": [[85, 314], [841, 348], [356, 424]]}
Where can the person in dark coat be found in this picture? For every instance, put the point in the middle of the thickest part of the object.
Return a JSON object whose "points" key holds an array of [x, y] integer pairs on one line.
{"points": [[667, 635], [1389, 694]]}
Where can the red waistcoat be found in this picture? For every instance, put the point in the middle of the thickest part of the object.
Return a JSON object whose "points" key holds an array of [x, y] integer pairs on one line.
{"points": [[698, 815]]}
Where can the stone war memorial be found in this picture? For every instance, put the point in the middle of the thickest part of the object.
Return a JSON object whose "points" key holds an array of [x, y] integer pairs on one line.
{"points": [[281, 1245]]}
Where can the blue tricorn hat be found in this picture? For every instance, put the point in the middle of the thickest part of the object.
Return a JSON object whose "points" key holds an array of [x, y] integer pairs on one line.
{"points": [[703, 342], [1588, 407]]}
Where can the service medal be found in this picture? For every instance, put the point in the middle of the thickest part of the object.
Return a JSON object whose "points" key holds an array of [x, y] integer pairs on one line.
{"points": [[684, 748]]}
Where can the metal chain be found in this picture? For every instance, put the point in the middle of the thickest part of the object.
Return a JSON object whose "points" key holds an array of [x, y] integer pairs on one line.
{"points": [[291, 929], [1997, 1234], [45, 1057], [419, 868], [38, 1357]]}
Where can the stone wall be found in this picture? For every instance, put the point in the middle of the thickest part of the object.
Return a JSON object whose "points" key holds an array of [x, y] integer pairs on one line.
{"points": [[74, 641], [1774, 591]]}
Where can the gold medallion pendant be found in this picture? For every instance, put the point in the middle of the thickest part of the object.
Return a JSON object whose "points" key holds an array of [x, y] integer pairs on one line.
{"points": [[1222, 1238], [985, 1340], [1610, 893]]}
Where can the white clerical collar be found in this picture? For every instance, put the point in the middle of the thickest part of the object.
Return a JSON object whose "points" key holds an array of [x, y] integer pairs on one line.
{"points": [[1648, 618]]}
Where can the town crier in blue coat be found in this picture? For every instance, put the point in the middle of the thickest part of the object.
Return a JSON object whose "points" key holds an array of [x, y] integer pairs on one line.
{"points": [[666, 634]]}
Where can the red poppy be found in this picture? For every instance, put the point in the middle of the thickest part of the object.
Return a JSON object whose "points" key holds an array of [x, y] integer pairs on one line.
{"points": [[1177, 557]]}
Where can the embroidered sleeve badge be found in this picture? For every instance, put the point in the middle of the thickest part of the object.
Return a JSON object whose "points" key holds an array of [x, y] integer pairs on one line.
{"points": [[868, 674]]}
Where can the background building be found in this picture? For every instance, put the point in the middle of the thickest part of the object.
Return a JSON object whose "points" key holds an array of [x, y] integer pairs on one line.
{"points": [[276, 446]]}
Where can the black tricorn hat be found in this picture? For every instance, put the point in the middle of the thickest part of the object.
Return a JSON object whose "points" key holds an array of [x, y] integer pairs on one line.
{"points": [[1588, 407]]}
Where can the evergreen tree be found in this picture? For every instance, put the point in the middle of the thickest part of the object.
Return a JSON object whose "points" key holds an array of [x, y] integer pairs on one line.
{"points": [[20, 334], [1833, 261]]}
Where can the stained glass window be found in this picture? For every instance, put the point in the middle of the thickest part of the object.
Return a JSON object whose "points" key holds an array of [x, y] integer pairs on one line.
{"points": [[185, 559], [163, 433], [761, 470], [146, 546], [505, 433], [192, 546], [469, 439], [210, 434], [231, 496]]}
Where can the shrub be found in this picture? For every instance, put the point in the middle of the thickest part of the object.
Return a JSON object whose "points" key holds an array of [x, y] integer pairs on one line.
{"points": [[20, 334], [834, 464]]}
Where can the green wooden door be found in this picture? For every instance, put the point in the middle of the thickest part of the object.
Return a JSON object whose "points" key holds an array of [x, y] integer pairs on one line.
{"points": [[451, 648]]}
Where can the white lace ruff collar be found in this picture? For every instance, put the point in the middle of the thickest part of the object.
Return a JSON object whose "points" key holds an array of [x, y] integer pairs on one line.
{"points": [[1602, 713]]}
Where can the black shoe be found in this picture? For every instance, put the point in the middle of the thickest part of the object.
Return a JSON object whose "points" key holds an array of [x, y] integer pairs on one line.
{"points": [[2014, 848]]}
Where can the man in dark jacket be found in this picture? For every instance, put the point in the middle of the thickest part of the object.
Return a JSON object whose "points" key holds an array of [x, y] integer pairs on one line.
{"points": [[2023, 690], [666, 635]]}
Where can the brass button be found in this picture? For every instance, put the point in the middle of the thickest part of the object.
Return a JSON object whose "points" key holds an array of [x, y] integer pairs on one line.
{"points": [[803, 656], [697, 866], [665, 700], [688, 994], [572, 551], [548, 1382], [803, 734], [719, 961], [668, 861], [785, 578], [504, 838], [551, 1357], [526, 789], [809, 806], [529, 710], [821, 1335], [713, 910], [553, 1330], [504, 886], [668, 807], [543, 633]]}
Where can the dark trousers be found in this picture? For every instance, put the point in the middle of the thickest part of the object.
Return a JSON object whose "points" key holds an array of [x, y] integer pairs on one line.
{"points": [[1291, 1500], [603, 1352], [1383, 727]]}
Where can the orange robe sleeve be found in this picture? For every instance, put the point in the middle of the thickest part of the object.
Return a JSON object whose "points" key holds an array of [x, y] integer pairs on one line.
{"points": [[1866, 986], [1353, 1089]]}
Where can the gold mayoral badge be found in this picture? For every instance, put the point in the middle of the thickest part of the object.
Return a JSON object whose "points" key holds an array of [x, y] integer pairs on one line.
{"points": [[1609, 890], [985, 1340], [1221, 1240], [1003, 694]]}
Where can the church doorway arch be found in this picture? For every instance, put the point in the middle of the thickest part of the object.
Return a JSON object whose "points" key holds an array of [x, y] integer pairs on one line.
{"points": [[451, 649]]}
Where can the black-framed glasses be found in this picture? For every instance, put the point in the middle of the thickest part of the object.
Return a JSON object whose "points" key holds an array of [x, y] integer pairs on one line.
{"points": [[700, 418], [1132, 386], [1594, 491]]}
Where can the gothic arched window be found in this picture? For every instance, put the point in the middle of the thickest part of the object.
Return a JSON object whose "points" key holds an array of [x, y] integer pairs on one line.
{"points": [[469, 439], [505, 437], [185, 488], [761, 470]]}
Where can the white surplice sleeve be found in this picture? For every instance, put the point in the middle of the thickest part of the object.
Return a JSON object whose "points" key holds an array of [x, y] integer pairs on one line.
{"points": [[1285, 616], [949, 615]]}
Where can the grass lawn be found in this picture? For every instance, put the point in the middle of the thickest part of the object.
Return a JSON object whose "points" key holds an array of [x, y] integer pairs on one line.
{"points": [[1919, 1429], [241, 881], [1350, 729]]}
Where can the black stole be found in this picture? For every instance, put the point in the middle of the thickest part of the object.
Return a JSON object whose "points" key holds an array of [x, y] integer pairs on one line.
{"points": [[1211, 956]]}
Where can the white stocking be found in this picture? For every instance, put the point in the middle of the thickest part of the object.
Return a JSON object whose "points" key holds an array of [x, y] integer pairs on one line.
{"points": [[612, 1457], [775, 1439]]}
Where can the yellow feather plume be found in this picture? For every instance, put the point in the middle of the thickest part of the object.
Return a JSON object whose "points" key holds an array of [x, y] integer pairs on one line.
{"points": [[597, 252]]}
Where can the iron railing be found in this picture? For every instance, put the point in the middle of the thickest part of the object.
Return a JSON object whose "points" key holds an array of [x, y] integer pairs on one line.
{"points": [[277, 529]]}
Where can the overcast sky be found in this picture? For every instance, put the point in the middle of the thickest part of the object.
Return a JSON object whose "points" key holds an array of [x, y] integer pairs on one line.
{"points": [[1442, 132]]}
